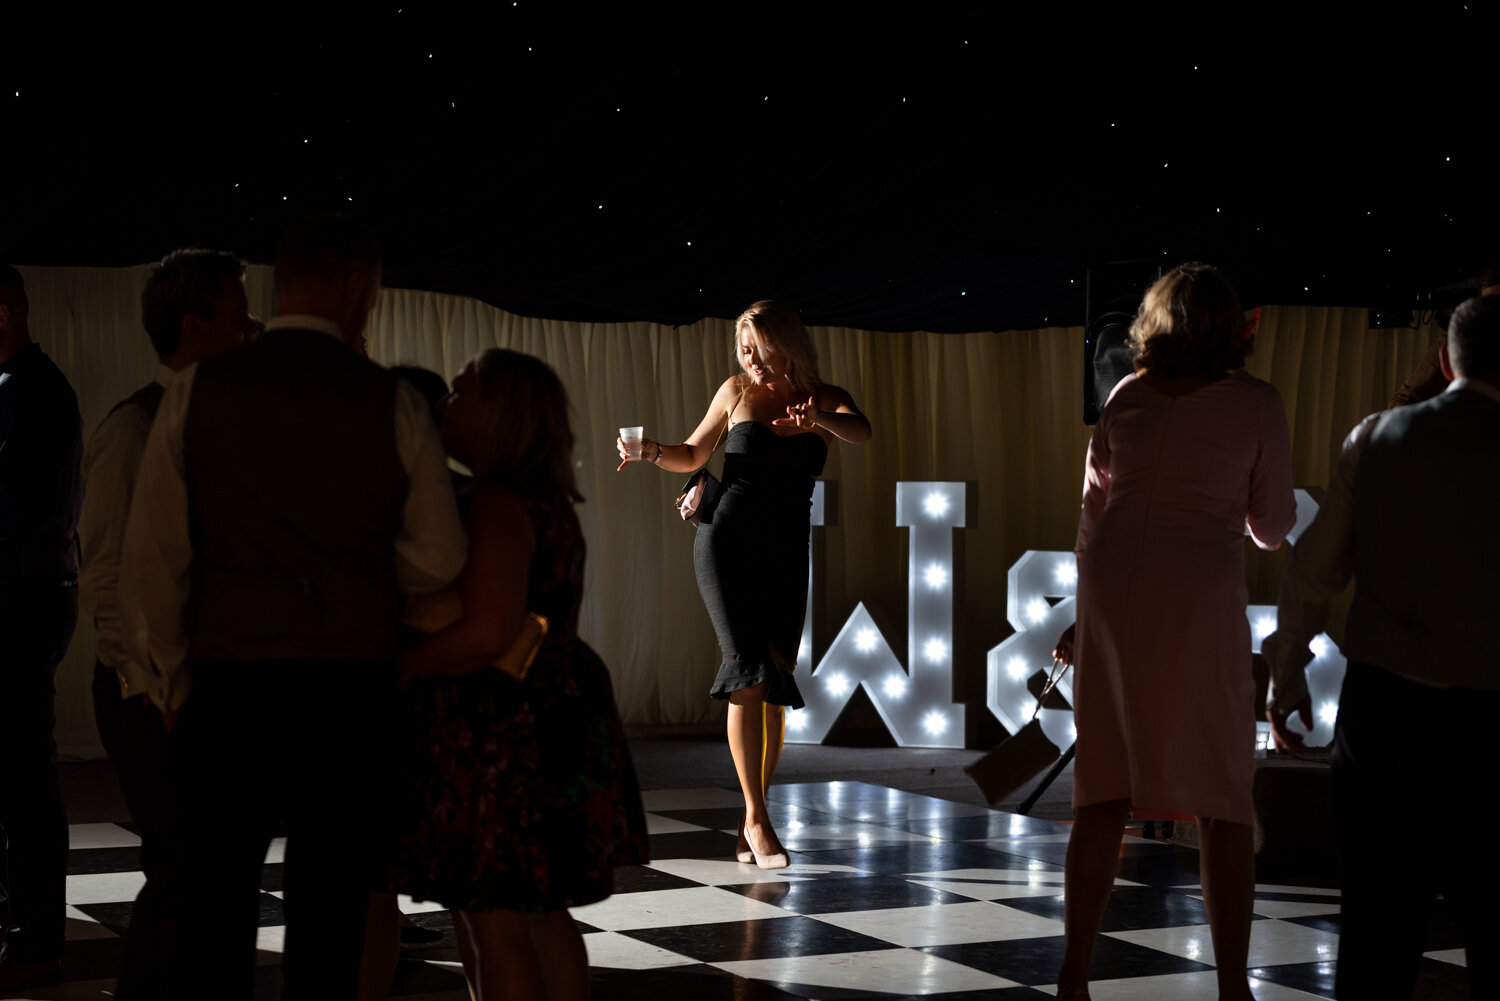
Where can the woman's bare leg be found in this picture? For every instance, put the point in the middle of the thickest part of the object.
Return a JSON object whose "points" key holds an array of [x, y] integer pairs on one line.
{"points": [[466, 953], [746, 731], [505, 965], [377, 964], [773, 734], [1093, 860], [560, 950], [525, 957], [1227, 866], [773, 738]]}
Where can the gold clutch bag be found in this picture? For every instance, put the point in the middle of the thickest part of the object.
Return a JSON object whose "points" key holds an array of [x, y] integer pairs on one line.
{"points": [[432, 612], [518, 659]]}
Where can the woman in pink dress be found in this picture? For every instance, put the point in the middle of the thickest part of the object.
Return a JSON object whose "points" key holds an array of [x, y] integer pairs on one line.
{"points": [[1188, 451]]}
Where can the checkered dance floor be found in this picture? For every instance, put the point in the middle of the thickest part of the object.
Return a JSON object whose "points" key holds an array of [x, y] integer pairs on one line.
{"points": [[890, 895]]}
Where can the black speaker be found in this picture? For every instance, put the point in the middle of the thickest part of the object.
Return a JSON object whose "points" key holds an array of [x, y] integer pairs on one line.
{"points": [[1112, 294]]}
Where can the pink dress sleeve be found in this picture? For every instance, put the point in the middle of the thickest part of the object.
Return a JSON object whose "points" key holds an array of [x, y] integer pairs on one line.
{"points": [[1095, 483], [1273, 508]]}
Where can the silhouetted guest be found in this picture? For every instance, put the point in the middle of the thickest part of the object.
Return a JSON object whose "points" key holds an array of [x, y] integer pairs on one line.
{"points": [[434, 389], [1427, 379], [1317, 571], [1189, 453], [288, 494], [193, 307], [41, 442], [521, 796], [1423, 645]]}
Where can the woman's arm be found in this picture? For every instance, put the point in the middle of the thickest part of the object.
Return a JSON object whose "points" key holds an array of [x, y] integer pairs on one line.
{"points": [[1272, 511], [493, 588], [833, 410], [700, 445]]}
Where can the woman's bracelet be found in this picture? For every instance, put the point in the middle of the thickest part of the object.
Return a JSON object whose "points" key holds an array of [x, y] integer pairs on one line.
{"points": [[656, 460]]}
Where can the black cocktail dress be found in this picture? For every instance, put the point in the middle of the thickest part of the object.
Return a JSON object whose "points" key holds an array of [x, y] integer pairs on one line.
{"points": [[751, 557]]}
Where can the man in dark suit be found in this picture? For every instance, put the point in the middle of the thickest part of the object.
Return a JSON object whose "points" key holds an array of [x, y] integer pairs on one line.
{"points": [[41, 442], [289, 493], [193, 307], [1422, 691]]}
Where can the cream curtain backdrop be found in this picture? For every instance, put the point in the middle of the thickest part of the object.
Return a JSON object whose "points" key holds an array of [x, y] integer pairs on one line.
{"points": [[1001, 410]]}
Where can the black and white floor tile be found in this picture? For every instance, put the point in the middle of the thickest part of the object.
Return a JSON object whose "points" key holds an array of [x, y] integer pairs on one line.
{"points": [[890, 895]]}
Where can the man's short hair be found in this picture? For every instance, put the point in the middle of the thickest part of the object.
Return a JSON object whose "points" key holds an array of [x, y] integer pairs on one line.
{"points": [[186, 282], [1474, 338], [12, 287], [322, 249]]}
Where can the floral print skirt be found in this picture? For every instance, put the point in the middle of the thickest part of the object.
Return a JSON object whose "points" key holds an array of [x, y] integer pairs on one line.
{"points": [[518, 794]]}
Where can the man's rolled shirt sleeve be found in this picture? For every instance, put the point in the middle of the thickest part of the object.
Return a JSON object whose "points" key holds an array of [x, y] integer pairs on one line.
{"points": [[155, 565]]}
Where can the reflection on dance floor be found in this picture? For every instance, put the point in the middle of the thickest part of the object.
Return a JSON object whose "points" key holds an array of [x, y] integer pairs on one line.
{"points": [[890, 895]]}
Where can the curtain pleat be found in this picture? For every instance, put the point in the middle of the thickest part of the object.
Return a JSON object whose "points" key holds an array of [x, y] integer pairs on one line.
{"points": [[1002, 410]]}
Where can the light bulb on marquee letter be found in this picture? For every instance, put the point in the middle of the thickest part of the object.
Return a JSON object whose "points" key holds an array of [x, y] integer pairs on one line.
{"points": [[935, 723], [903, 695], [935, 504]]}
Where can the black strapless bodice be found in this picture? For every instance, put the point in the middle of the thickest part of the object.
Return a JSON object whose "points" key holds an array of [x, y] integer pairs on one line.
{"points": [[771, 466]]}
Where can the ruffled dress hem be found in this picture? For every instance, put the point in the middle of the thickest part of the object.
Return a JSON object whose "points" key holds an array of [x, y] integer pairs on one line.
{"points": [[736, 675]]}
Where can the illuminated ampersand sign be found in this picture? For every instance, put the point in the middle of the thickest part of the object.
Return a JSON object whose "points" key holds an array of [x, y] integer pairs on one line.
{"points": [[916, 703], [1038, 623], [1039, 576]]}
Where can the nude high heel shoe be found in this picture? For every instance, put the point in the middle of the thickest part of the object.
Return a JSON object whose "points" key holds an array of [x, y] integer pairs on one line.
{"points": [[776, 861], [742, 852]]}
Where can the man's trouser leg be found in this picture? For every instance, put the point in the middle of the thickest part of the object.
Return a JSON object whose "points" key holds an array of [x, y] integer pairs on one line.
{"points": [[36, 625], [133, 734]]}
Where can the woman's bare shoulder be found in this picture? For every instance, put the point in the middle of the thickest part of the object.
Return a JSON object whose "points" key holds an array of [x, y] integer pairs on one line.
{"points": [[735, 384]]}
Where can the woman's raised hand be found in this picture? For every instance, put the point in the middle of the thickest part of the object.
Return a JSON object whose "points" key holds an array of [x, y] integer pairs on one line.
{"points": [[647, 447], [800, 415]]}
